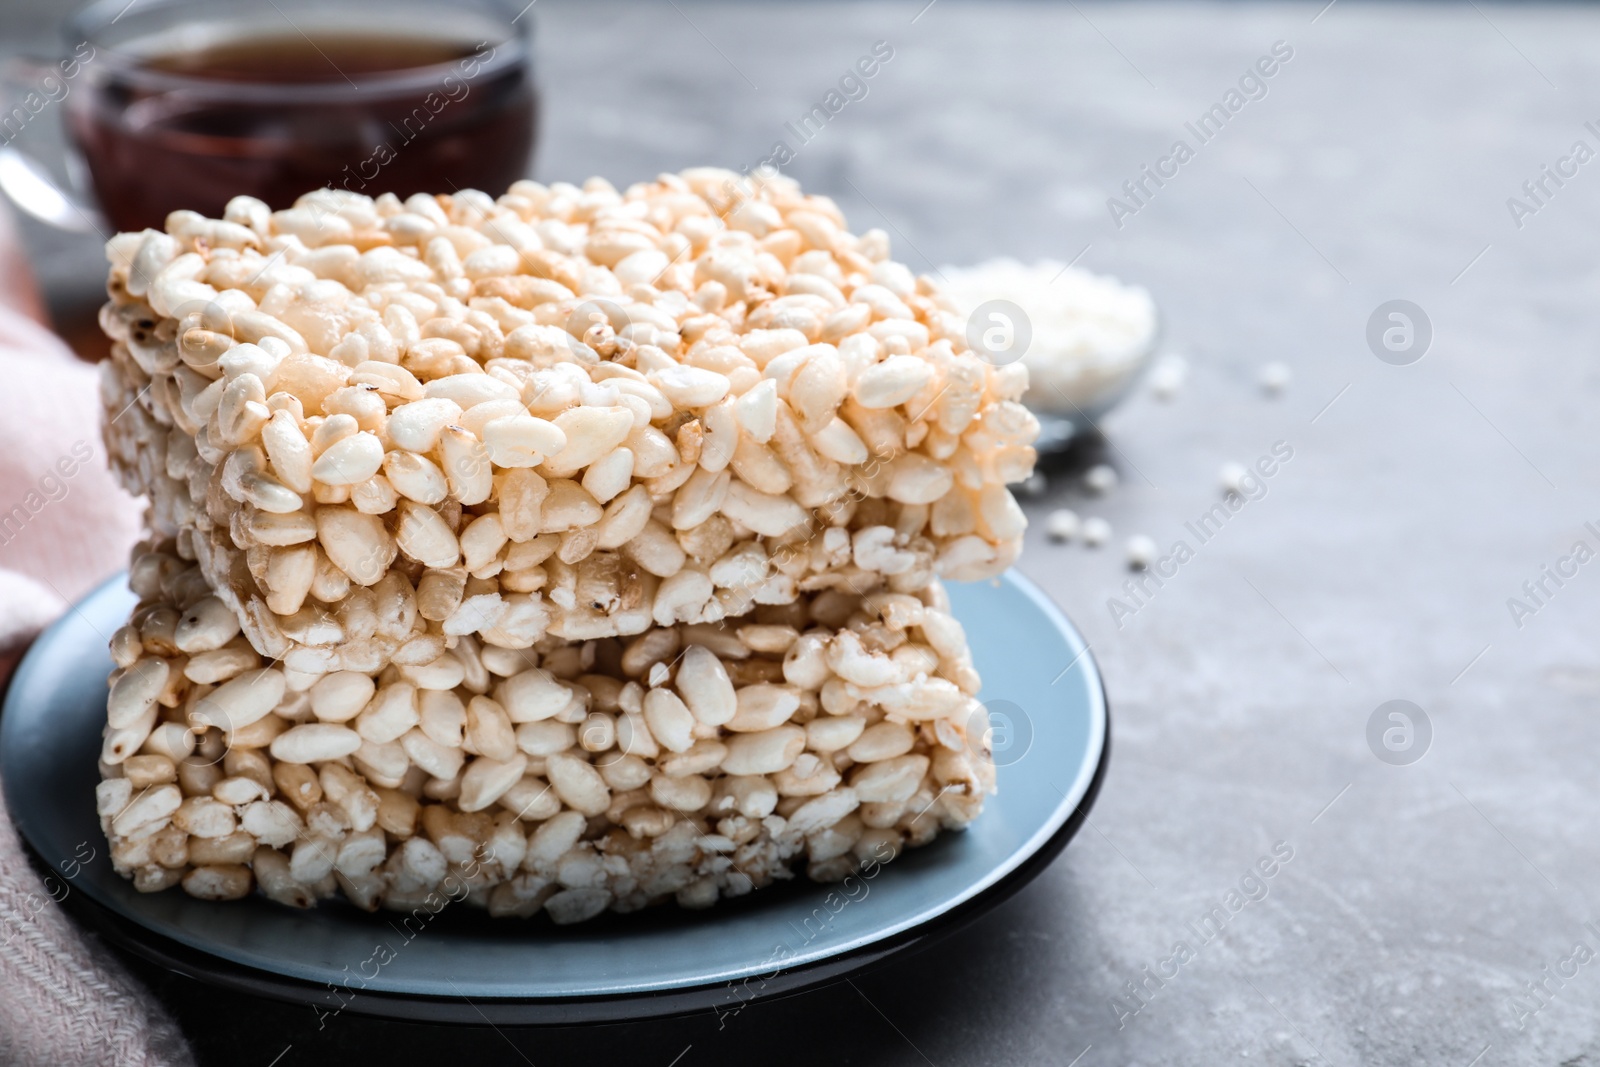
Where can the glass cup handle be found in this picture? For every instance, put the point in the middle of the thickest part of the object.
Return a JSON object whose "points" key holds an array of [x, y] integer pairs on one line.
{"points": [[28, 88]]}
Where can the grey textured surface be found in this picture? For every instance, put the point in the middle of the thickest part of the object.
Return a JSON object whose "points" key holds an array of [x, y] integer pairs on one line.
{"points": [[1420, 898]]}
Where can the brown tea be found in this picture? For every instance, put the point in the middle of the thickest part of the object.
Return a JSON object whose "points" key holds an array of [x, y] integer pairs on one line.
{"points": [[277, 115], [292, 58]]}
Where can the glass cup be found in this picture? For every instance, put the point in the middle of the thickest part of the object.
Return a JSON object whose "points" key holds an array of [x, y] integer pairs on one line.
{"points": [[175, 104]]}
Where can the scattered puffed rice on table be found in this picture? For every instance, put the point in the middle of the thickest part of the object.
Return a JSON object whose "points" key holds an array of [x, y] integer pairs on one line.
{"points": [[1101, 478], [1096, 532], [1231, 477], [1275, 378], [1168, 375], [1141, 551], [1061, 524]]}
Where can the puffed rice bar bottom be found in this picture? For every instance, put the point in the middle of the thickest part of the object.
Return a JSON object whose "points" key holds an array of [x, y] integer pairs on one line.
{"points": [[691, 762]]}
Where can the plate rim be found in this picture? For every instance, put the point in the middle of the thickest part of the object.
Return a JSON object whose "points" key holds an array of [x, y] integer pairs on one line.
{"points": [[581, 1010], [997, 884]]}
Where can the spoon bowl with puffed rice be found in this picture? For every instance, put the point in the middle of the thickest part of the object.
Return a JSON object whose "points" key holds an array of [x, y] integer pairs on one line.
{"points": [[1085, 338]]}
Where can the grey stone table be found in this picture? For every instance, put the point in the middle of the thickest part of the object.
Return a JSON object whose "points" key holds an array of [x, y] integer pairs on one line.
{"points": [[1420, 900]]}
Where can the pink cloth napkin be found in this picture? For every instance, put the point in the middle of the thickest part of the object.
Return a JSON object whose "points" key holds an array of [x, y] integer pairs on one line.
{"points": [[64, 526]]}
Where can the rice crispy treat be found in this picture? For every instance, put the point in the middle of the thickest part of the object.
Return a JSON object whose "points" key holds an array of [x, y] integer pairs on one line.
{"points": [[691, 761], [566, 413]]}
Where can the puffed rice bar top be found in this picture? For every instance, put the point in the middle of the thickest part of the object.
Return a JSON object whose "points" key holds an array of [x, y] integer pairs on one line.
{"points": [[564, 413]]}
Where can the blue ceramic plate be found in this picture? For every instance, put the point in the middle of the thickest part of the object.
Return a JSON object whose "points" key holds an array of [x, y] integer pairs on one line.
{"points": [[1050, 716]]}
